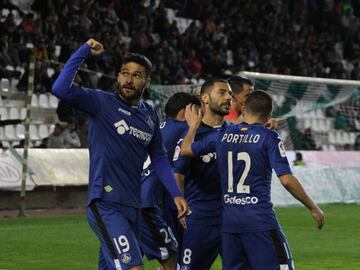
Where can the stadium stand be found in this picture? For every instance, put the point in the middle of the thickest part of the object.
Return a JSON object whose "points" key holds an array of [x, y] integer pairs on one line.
{"points": [[187, 42]]}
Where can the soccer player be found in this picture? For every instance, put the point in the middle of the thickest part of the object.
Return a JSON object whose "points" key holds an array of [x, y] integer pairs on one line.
{"points": [[202, 238], [246, 154], [123, 130], [157, 238], [241, 86]]}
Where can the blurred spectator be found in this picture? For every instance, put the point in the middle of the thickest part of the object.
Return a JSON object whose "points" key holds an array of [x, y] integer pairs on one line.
{"points": [[56, 139], [308, 140], [299, 160], [44, 143], [71, 137]]}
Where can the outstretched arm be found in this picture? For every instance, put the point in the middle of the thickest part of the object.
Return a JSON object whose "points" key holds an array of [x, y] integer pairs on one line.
{"points": [[193, 117], [291, 183], [64, 88]]}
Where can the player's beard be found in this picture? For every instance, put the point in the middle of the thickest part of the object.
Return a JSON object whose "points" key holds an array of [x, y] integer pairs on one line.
{"points": [[220, 109], [129, 92]]}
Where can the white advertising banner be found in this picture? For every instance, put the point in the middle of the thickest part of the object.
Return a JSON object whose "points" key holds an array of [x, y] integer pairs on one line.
{"points": [[329, 177], [11, 172]]}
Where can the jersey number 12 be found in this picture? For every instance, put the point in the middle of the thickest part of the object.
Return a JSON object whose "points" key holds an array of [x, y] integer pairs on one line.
{"points": [[240, 188]]}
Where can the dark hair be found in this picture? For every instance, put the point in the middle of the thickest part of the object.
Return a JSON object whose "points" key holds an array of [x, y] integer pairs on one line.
{"points": [[140, 59], [259, 103], [179, 101], [210, 83], [237, 83]]}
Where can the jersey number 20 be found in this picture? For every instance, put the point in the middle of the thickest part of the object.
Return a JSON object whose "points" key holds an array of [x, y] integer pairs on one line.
{"points": [[240, 188]]}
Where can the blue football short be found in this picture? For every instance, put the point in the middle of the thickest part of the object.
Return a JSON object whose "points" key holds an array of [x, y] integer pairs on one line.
{"points": [[170, 217], [200, 248], [157, 239], [256, 251], [118, 229]]}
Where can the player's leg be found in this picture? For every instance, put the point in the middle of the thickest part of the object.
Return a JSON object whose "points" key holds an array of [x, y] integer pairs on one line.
{"points": [[201, 245], [117, 234], [233, 253], [157, 239], [268, 250]]}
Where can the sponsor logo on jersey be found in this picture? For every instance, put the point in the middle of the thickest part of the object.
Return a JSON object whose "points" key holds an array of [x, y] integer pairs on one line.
{"points": [[185, 267], [126, 258], [281, 148], [243, 129], [108, 188], [208, 157], [240, 201], [122, 127], [124, 111], [176, 153]]}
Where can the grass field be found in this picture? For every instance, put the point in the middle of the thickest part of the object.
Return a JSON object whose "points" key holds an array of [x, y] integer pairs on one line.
{"points": [[52, 243]]}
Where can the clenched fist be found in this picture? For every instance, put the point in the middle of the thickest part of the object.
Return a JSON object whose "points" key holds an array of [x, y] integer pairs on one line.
{"points": [[96, 47]]}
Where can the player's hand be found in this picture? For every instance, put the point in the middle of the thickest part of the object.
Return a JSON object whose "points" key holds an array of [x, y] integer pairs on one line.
{"points": [[96, 47], [319, 216], [193, 115], [273, 123], [183, 223], [181, 206]]}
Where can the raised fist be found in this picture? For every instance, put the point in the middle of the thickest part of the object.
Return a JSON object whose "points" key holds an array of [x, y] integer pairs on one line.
{"points": [[96, 47]]}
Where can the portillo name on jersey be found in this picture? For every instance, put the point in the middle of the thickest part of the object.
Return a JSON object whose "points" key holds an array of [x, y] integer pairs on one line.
{"points": [[123, 127], [240, 138]]}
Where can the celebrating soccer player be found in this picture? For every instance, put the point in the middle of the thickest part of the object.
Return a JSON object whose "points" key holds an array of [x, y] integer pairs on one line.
{"points": [[246, 154], [202, 238], [123, 130], [159, 231]]}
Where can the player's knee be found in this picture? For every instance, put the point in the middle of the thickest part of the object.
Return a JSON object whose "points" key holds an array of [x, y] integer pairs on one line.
{"points": [[139, 267], [169, 264]]}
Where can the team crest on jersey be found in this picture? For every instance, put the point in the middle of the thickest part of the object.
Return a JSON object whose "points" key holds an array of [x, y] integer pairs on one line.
{"points": [[149, 121], [108, 188], [126, 258]]}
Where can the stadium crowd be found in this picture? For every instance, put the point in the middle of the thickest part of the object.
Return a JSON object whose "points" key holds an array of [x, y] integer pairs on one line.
{"points": [[223, 38], [318, 38]]}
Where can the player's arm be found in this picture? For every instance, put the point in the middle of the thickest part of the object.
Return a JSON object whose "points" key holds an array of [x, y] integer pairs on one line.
{"points": [[273, 123], [164, 172], [64, 87], [193, 117], [180, 181], [280, 164], [295, 188]]}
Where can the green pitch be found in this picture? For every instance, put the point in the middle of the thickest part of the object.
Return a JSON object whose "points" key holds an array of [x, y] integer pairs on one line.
{"points": [[67, 243]]}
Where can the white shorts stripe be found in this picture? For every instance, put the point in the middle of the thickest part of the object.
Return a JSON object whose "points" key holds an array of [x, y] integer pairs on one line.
{"points": [[284, 267], [117, 264], [287, 251]]}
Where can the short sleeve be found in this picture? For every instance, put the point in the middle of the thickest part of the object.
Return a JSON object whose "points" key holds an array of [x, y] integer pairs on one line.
{"points": [[277, 154]]}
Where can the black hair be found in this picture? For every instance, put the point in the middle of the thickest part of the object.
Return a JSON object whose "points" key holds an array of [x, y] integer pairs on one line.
{"points": [[237, 83], [259, 103], [179, 101], [210, 83], [140, 59]]}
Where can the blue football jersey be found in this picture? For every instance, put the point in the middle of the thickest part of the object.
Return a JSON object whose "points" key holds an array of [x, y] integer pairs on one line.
{"points": [[152, 190], [202, 181], [246, 155], [120, 136]]}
